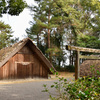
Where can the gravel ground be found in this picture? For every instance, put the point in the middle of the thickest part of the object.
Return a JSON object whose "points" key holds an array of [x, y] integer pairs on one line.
{"points": [[28, 89], [25, 91]]}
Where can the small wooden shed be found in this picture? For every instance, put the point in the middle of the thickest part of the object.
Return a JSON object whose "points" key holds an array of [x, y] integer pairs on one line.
{"points": [[23, 60]]}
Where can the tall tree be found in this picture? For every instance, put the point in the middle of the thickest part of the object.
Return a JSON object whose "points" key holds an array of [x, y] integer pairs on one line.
{"points": [[57, 18], [54, 17], [42, 18]]}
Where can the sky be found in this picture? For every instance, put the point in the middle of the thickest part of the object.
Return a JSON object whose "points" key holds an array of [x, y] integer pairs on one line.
{"points": [[19, 23]]}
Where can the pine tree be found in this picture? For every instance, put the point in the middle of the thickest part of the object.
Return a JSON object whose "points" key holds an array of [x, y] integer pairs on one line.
{"points": [[55, 19], [5, 35]]}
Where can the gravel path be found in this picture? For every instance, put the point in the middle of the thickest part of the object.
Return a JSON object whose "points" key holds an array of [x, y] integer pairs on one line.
{"points": [[25, 91]]}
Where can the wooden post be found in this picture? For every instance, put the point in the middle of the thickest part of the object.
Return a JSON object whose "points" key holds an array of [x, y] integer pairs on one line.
{"points": [[77, 67]]}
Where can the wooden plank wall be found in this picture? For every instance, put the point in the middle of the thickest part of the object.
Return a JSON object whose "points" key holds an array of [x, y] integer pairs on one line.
{"points": [[14, 68]]}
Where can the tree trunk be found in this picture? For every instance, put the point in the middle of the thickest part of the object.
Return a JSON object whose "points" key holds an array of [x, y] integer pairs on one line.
{"points": [[38, 40], [50, 58], [48, 38], [48, 30]]}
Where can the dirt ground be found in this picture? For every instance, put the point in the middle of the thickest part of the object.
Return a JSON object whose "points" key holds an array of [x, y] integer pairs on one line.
{"points": [[64, 74], [52, 77]]}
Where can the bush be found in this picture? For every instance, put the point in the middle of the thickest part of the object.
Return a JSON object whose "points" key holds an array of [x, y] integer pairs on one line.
{"points": [[70, 68], [61, 69], [86, 88]]}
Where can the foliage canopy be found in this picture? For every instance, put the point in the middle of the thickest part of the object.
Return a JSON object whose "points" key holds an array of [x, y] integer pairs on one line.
{"points": [[57, 22], [12, 7]]}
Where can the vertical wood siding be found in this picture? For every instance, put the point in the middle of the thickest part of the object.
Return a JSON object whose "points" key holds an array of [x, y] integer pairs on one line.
{"points": [[24, 64]]}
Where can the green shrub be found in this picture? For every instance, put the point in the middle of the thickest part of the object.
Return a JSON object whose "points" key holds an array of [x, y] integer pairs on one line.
{"points": [[86, 88], [70, 68]]}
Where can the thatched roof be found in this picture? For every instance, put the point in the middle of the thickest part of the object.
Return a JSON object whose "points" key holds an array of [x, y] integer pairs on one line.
{"points": [[85, 67], [5, 52], [8, 52]]}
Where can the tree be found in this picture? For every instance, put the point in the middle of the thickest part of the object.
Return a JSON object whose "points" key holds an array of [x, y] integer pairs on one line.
{"points": [[6, 35], [47, 29], [54, 18], [59, 18], [42, 18], [34, 32], [88, 41], [89, 33], [12, 7], [91, 17]]}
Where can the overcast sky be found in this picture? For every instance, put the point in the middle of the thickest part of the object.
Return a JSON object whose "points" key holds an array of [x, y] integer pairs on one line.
{"points": [[19, 23]]}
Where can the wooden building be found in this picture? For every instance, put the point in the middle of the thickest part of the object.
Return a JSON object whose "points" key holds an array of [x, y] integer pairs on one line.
{"points": [[23, 60]]}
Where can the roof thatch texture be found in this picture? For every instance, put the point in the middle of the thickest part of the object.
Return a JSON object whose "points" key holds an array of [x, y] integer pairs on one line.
{"points": [[89, 68], [5, 52]]}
